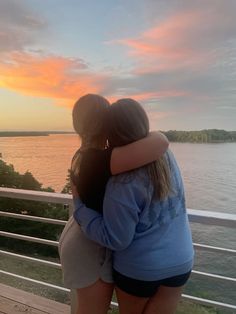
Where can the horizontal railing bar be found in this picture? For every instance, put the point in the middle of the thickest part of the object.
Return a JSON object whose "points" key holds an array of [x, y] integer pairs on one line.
{"points": [[28, 238], [199, 300], [33, 218], [212, 218], [63, 222], [213, 275], [57, 265], [114, 304], [189, 297], [55, 243], [205, 247], [35, 281], [31, 259], [208, 302], [199, 216], [39, 196]]}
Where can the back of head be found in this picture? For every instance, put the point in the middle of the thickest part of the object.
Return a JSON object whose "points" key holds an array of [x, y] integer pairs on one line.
{"points": [[128, 122], [89, 116], [89, 119]]}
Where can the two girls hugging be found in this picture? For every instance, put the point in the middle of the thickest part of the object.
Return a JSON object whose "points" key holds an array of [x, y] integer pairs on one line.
{"points": [[130, 230]]}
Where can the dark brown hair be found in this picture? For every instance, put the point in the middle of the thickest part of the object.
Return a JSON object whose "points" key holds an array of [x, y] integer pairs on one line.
{"points": [[128, 122], [89, 120], [89, 116]]}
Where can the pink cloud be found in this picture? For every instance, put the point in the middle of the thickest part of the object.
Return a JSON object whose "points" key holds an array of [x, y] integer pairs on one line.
{"points": [[187, 39], [147, 96]]}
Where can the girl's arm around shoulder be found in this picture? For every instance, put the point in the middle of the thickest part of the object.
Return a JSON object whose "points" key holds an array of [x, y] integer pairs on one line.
{"points": [[139, 153], [114, 229]]}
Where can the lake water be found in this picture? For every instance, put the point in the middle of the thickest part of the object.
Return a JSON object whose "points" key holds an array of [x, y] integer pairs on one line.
{"points": [[208, 170], [209, 173]]}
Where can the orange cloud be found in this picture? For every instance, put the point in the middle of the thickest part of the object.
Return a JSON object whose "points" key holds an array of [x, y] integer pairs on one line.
{"points": [[62, 79], [59, 78]]}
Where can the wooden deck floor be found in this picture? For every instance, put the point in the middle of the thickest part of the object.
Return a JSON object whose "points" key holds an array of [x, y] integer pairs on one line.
{"points": [[15, 301]]}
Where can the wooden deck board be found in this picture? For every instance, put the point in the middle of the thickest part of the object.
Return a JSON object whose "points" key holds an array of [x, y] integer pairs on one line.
{"points": [[15, 301], [12, 307]]}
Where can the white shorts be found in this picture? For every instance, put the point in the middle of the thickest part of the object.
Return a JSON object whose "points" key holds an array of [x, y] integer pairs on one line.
{"points": [[83, 261]]}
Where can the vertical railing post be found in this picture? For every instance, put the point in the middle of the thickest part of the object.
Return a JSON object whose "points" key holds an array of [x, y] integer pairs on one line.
{"points": [[71, 209], [73, 301], [73, 293]]}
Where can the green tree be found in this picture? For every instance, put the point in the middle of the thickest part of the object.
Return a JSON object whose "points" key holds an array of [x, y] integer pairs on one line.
{"points": [[12, 179], [203, 136]]}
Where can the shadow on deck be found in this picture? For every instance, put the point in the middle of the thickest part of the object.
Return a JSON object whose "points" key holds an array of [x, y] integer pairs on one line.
{"points": [[15, 301]]}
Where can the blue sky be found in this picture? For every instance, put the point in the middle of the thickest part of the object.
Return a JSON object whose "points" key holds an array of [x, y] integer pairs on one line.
{"points": [[178, 58]]}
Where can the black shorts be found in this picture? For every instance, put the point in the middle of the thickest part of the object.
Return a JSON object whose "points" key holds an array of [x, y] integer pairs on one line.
{"points": [[147, 289]]}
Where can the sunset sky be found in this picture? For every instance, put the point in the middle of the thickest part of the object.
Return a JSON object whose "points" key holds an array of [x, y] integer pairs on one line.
{"points": [[178, 58]]}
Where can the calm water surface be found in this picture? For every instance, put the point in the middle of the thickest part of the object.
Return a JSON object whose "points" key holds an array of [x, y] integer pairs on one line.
{"points": [[209, 173], [209, 170]]}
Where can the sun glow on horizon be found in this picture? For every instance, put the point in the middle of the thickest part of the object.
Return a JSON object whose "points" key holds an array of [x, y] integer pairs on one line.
{"points": [[176, 65]]}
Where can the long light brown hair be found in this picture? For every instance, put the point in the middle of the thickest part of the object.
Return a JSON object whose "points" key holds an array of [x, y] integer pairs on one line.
{"points": [[128, 122]]}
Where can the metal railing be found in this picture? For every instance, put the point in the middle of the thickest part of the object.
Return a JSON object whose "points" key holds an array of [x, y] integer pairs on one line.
{"points": [[199, 216]]}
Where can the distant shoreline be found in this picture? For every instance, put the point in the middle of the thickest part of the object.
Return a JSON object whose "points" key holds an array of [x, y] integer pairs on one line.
{"points": [[32, 133], [203, 136]]}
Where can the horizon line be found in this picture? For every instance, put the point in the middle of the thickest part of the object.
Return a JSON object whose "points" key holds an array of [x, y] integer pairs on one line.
{"points": [[72, 131]]}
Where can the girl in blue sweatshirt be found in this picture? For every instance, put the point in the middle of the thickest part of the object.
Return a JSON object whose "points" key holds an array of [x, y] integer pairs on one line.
{"points": [[144, 222], [86, 265]]}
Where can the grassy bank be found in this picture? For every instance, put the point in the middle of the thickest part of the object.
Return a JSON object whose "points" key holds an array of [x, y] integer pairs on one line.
{"points": [[51, 275]]}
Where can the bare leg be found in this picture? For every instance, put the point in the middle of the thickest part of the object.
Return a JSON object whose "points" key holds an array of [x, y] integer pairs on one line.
{"points": [[130, 304], [165, 301], [95, 299]]}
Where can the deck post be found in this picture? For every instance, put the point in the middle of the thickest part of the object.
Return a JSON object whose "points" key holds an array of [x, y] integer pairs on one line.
{"points": [[73, 301], [71, 209], [73, 294]]}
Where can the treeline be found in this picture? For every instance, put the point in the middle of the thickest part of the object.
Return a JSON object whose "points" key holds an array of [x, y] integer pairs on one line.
{"points": [[12, 179], [17, 134], [31, 133], [203, 136]]}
